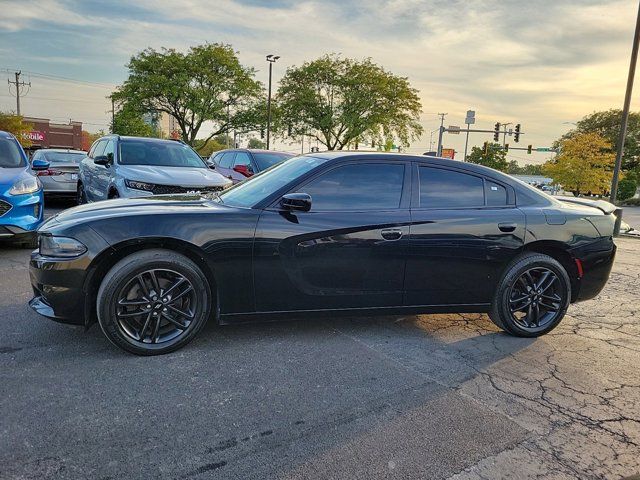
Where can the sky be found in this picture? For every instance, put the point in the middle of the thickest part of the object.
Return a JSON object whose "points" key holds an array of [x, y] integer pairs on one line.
{"points": [[540, 63]]}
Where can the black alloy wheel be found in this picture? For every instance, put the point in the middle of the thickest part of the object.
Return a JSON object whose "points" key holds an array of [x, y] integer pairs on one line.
{"points": [[153, 302], [532, 296], [156, 306], [536, 299]]}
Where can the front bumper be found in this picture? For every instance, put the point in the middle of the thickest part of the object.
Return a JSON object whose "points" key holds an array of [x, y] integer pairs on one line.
{"points": [[25, 215], [58, 287]]}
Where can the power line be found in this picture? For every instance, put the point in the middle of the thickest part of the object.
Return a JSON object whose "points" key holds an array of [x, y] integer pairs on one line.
{"points": [[61, 78], [55, 99]]}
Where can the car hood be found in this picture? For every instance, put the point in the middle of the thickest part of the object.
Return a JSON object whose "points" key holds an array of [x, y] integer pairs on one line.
{"points": [[182, 176], [156, 204], [9, 176]]}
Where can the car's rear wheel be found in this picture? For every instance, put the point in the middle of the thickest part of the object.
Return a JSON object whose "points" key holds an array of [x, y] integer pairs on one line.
{"points": [[532, 297], [153, 302]]}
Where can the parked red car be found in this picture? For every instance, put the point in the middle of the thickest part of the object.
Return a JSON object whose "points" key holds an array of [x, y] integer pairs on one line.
{"points": [[241, 163]]}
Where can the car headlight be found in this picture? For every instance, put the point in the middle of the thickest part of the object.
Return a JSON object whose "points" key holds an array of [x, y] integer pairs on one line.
{"points": [[51, 246], [27, 184], [147, 187]]}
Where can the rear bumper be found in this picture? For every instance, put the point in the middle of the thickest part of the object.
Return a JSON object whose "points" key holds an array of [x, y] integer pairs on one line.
{"points": [[597, 260]]}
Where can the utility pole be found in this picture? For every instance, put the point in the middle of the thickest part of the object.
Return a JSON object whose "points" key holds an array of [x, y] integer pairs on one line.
{"points": [[441, 115], [271, 59], [19, 86], [625, 116]]}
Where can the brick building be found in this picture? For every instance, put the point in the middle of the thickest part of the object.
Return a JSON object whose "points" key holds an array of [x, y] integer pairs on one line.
{"points": [[45, 134]]}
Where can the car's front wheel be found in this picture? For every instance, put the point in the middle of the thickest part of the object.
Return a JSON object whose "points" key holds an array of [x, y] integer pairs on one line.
{"points": [[153, 302], [532, 297], [81, 196]]}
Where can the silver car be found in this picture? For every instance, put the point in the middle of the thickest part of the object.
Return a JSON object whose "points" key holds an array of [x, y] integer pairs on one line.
{"points": [[126, 167], [61, 178]]}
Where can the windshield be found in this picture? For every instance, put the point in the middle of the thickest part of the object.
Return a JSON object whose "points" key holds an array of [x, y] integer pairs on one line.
{"points": [[163, 154], [64, 157], [10, 154], [259, 187], [266, 160]]}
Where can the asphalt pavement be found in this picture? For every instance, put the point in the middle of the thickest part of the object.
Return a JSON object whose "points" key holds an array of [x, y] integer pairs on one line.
{"points": [[430, 396]]}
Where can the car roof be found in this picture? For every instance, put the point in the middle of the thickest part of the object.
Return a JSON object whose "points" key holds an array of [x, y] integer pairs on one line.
{"points": [[252, 150]]}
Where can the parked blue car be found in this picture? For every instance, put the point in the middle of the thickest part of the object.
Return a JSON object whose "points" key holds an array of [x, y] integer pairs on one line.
{"points": [[21, 197]]}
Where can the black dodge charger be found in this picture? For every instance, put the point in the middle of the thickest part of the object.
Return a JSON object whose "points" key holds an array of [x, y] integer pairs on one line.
{"points": [[338, 232]]}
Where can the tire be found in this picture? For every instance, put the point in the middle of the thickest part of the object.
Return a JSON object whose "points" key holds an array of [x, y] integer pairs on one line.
{"points": [[517, 290], [129, 287], [81, 196]]}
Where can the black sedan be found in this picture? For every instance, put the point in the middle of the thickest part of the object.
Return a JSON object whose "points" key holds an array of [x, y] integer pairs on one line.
{"points": [[338, 232]]}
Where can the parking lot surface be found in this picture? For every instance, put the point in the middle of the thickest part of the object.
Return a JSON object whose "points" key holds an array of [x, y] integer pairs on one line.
{"points": [[430, 396]]}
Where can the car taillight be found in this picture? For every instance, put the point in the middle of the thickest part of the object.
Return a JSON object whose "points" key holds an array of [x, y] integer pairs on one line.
{"points": [[49, 173]]}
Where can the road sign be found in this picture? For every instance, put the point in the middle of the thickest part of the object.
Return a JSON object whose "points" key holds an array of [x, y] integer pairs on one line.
{"points": [[471, 117], [454, 129], [544, 149], [448, 153]]}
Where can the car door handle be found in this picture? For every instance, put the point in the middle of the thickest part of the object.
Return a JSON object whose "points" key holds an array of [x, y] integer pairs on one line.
{"points": [[507, 227], [391, 234]]}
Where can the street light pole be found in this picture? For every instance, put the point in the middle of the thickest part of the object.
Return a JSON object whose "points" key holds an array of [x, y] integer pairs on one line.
{"points": [[442, 115], [271, 59], [625, 110]]}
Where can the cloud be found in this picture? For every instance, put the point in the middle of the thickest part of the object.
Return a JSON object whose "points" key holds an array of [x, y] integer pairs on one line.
{"points": [[540, 63]]}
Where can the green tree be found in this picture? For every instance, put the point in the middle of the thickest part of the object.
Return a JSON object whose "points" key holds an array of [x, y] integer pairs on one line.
{"points": [[583, 164], [206, 84], [256, 143], [340, 101], [527, 169], [626, 188], [208, 148], [16, 125], [495, 157], [128, 120], [607, 125]]}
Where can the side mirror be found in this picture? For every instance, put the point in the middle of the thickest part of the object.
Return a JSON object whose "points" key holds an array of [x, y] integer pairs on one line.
{"points": [[101, 160], [39, 164], [296, 201], [210, 163], [245, 170]]}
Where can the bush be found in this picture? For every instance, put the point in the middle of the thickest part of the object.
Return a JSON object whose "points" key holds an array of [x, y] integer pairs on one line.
{"points": [[626, 189], [632, 202]]}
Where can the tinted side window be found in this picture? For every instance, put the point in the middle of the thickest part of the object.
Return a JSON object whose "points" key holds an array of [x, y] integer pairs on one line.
{"points": [[370, 186], [446, 188], [99, 148], [92, 151], [109, 149], [227, 159], [495, 194], [242, 158], [217, 158]]}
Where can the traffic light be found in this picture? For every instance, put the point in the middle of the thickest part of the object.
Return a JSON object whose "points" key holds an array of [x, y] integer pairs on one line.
{"points": [[496, 133], [529, 149], [262, 133], [516, 137], [289, 130], [506, 147], [486, 148]]}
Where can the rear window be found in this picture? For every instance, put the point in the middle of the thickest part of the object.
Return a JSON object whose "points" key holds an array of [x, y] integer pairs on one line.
{"points": [[10, 154], [449, 189], [495, 194], [64, 157], [266, 160]]}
